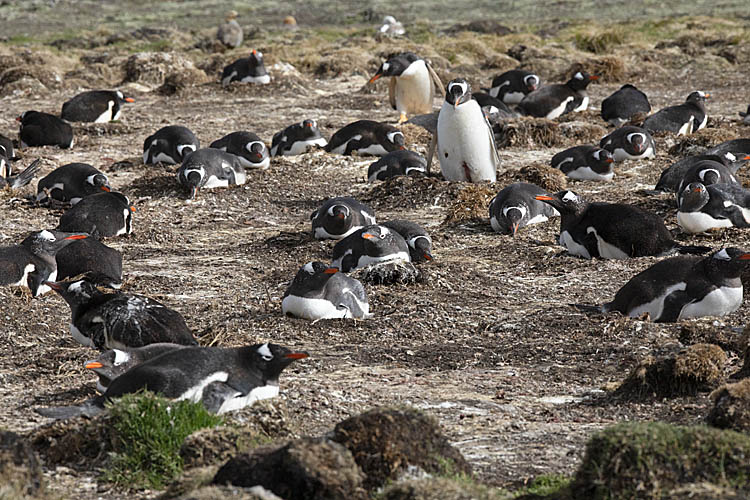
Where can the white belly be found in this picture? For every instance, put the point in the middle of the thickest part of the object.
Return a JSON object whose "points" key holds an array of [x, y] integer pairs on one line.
{"points": [[719, 302], [214, 182], [686, 128], [703, 123], [248, 164], [567, 241], [368, 260], [620, 154], [162, 158], [321, 233], [262, 80], [24, 281], [195, 393], [606, 250], [513, 97], [81, 338], [699, 222], [312, 309], [236, 403], [464, 139], [339, 150], [44, 288], [554, 113], [414, 90], [655, 307], [300, 147], [373, 149], [107, 115], [586, 174]]}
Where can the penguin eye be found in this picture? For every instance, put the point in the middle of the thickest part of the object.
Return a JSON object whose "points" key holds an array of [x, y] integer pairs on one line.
{"points": [[266, 357], [382, 236]]}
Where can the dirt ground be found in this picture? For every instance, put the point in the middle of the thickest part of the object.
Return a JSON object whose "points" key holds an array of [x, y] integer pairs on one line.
{"points": [[488, 343]]}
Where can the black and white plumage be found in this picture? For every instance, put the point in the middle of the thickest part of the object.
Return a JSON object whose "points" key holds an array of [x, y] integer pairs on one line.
{"points": [[321, 292], [682, 119], [494, 109], [585, 163], [737, 151], [72, 183], [44, 129], [339, 217], [113, 363], [119, 320], [251, 151], [611, 230], [745, 115], [672, 176], [552, 101], [98, 106], [249, 69], [707, 172], [629, 143], [711, 207], [419, 241], [512, 86], [210, 168], [32, 262], [624, 104], [684, 287], [101, 264], [465, 142], [170, 144], [101, 215], [368, 246], [297, 138], [391, 27], [230, 32], [20, 179], [411, 88], [7, 157], [366, 137], [395, 163], [516, 206]]}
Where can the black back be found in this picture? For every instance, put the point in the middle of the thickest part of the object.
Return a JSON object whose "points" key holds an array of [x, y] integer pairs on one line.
{"points": [[624, 103], [102, 215], [44, 129]]}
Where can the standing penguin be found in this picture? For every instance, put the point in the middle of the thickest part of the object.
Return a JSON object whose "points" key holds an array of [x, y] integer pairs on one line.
{"points": [[710, 207], [321, 292], [44, 129], [512, 86], [682, 119], [629, 143], [339, 217], [412, 85], [556, 100], [296, 138], [170, 144], [516, 206], [119, 320], [624, 104], [420, 243], [246, 70], [465, 142], [72, 182], [32, 262], [369, 245], [98, 106], [585, 163], [230, 33], [101, 215], [210, 168], [248, 147]]}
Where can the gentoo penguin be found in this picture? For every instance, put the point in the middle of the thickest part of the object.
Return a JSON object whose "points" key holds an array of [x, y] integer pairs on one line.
{"points": [[32, 262], [707, 172], [367, 246], [43, 129], [339, 217], [246, 70], [113, 363], [512, 86], [248, 147], [585, 163], [516, 206], [119, 320], [21, 178], [621, 106], [555, 100], [684, 287], [222, 379], [611, 230], [100, 264], [210, 168], [101, 215], [420, 243], [401, 162], [7, 156], [297, 138], [494, 109], [735, 151], [710, 207], [169, 144], [672, 176], [71, 182], [366, 137], [321, 292], [230, 33], [629, 143], [412, 85], [465, 142], [98, 106], [745, 115], [682, 119], [391, 27]]}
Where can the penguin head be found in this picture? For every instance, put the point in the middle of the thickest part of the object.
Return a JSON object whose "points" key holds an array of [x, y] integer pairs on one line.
{"points": [[396, 138], [729, 261], [47, 243], [193, 178], [377, 237], [638, 141], [99, 181], [76, 293], [709, 176], [340, 214], [580, 80], [311, 276], [110, 365], [422, 248], [309, 128], [565, 202], [271, 359], [693, 197], [122, 98], [531, 81], [257, 57], [258, 151], [395, 65], [604, 159], [698, 96], [458, 92], [515, 215]]}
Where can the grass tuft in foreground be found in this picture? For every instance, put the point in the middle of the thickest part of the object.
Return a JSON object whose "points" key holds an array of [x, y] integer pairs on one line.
{"points": [[147, 434]]}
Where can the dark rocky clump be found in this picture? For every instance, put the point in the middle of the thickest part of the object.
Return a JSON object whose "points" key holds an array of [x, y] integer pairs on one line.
{"points": [[20, 471], [731, 406]]}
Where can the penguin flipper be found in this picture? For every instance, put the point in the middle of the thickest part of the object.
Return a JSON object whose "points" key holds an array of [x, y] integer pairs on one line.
{"points": [[88, 409], [431, 151], [392, 92], [692, 249], [735, 215], [436, 79], [590, 309], [673, 305], [493, 146]]}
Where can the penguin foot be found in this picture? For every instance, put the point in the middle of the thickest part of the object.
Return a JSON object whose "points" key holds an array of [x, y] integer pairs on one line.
{"points": [[402, 118]]}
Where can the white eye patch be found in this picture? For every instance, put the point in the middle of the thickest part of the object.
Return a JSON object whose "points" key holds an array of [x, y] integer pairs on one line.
{"points": [[531, 80], [386, 65], [519, 208], [569, 196], [636, 134], [249, 146], [462, 85], [121, 357], [309, 268], [722, 255], [578, 76], [392, 136], [265, 352], [46, 235]]}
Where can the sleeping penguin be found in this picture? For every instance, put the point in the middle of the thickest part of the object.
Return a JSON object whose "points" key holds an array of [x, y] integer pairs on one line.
{"points": [[512, 86], [624, 104], [249, 69], [210, 168], [72, 183], [585, 163], [113, 363], [297, 138], [321, 292], [366, 137], [629, 143], [44, 129], [395, 163], [682, 119], [98, 106], [170, 144], [101, 215], [248, 147], [420, 243], [702, 208], [552, 101], [339, 217]]}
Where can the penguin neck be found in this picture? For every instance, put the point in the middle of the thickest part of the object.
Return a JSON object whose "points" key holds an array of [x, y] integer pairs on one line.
{"points": [[725, 274], [570, 218], [698, 105]]}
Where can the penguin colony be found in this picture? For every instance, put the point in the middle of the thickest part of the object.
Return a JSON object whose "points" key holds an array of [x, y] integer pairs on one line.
{"points": [[145, 344]]}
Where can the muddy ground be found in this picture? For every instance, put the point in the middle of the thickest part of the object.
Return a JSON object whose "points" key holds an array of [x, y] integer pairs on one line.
{"points": [[488, 343]]}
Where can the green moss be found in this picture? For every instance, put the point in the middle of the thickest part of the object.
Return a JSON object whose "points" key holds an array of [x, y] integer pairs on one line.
{"points": [[147, 433], [599, 41], [646, 460]]}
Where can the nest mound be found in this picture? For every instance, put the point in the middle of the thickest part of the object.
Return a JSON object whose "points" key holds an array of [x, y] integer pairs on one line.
{"points": [[731, 408], [472, 202], [391, 273], [154, 68]]}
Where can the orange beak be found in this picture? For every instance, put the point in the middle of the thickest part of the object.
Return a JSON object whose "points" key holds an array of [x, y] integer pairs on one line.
{"points": [[129, 99], [707, 96], [105, 188], [132, 209], [254, 52], [746, 157], [744, 256], [515, 228], [593, 77], [610, 160], [76, 237], [297, 355], [544, 197], [331, 270], [427, 256], [92, 365], [375, 77], [18, 118]]}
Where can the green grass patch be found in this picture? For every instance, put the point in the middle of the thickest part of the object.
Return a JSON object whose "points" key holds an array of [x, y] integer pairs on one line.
{"points": [[147, 433], [600, 41]]}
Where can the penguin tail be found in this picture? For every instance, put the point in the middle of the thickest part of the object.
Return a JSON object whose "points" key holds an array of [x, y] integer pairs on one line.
{"points": [[25, 177], [88, 409], [692, 249], [588, 308]]}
